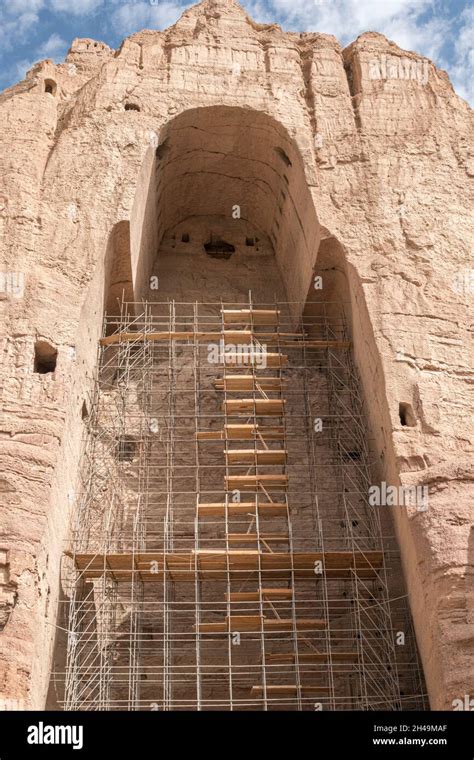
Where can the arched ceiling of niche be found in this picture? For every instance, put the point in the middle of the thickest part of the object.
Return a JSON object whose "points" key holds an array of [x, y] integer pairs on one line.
{"points": [[213, 158]]}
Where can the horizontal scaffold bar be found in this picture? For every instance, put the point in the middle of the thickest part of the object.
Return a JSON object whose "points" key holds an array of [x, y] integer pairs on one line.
{"points": [[312, 657], [275, 594], [231, 337], [251, 623], [255, 482], [251, 538], [254, 316], [255, 456], [218, 563], [264, 407], [259, 691], [247, 383], [246, 432], [241, 508]]}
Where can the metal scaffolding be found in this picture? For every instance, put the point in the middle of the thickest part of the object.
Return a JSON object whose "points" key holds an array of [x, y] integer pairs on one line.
{"points": [[224, 555]]}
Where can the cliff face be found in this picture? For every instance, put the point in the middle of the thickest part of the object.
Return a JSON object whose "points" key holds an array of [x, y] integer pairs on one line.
{"points": [[384, 143]]}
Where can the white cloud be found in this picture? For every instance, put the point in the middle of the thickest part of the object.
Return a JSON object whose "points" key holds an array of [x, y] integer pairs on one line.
{"points": [[346, 19], [134, 16], [16, 30], [21, 67], [75, 7], [461, 71], [53, 47], [23, 6]]}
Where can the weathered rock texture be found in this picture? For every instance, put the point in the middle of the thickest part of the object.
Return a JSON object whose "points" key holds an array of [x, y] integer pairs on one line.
{"points": [[377, 183]]}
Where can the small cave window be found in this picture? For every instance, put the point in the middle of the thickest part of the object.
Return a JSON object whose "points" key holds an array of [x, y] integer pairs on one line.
{"points": [[45, 357], [162, 149], [407, 415], [352, 456], [185, 237], [132, 107], [249, 242], [84, 412], [219, 249], [50, 86], [284, 157], [126, 449]]}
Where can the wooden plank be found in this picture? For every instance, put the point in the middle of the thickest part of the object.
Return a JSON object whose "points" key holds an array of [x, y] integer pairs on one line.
{"points": [[248, 359], [247, 432], [165, 335], [210, 435], [255, 456], [297, 340], [243, 508], [241, 623], [235, 337], [256, 316], [254, 482], [260, 406], [214, 564], [250, 432]]}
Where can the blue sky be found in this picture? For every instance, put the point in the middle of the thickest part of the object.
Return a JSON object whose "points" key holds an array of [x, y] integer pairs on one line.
{"points": [[442, 31]]}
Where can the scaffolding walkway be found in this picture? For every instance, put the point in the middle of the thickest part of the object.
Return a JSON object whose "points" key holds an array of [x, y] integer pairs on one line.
{"points": [[223, 555]]}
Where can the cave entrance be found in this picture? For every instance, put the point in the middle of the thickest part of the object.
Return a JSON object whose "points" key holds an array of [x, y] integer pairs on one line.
{"points": [[223, 207]]}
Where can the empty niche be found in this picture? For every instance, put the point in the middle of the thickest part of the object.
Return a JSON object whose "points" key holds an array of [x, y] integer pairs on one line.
{"points": [[50, 86], [185, 237], [45, 357], [219, 249], [406, 414]]}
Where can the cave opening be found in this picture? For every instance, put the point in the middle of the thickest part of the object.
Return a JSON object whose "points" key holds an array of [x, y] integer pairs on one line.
{"points": [[45, 358]]}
